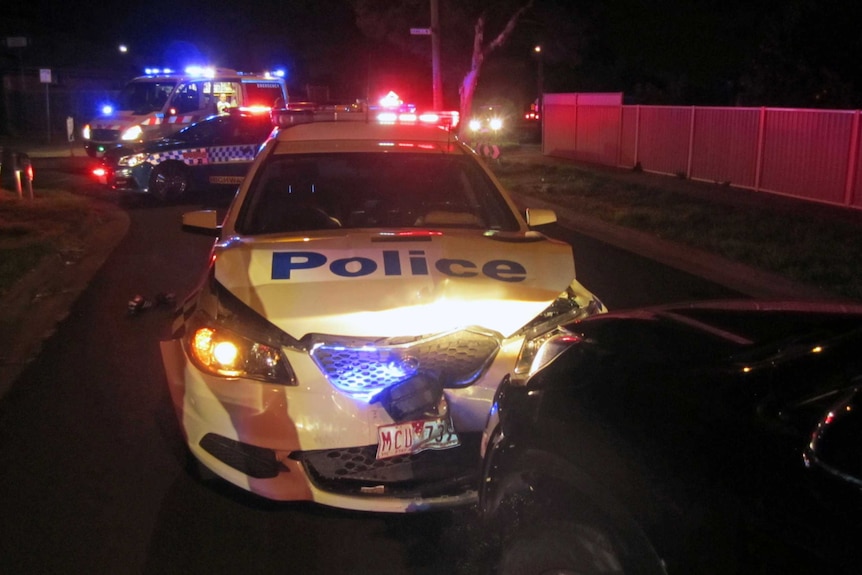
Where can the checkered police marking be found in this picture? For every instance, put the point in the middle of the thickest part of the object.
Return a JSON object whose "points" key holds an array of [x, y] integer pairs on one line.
{"points": [[206, 156]]}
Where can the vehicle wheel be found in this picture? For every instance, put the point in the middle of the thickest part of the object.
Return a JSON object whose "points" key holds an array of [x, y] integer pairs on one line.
{"points": [[169, 181], [560, 548]]}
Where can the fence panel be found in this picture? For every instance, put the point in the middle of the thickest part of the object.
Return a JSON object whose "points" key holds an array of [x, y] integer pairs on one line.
{"points": [[663, 139], [809, 154], [561, 141], [724, 146], [629, 137], [805, 153], [598, 133], [854, 186]]}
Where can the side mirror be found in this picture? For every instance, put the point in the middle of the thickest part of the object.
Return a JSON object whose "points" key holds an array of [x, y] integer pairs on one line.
{"points": [[203, 222], [836, 445], [540, 217]]}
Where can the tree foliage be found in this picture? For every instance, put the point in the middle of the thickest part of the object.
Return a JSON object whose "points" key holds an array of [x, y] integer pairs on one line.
{"points": [[808, 57]]}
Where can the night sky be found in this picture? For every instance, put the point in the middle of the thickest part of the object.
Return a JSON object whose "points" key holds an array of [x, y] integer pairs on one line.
{"points": [[730, 52]]}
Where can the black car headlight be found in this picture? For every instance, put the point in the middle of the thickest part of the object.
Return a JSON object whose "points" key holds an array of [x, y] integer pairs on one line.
{"points": [[546, 337]]}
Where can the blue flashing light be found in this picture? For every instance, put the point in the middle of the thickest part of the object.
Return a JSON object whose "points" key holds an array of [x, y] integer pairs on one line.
{"points": [[203, 71], [107, 110]]}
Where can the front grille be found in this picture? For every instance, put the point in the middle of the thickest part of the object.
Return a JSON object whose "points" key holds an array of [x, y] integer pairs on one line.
{"points": [[102, 135], [355, 470], [368, 366]]}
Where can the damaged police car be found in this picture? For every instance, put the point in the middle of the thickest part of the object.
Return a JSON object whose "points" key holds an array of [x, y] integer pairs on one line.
{"points": [[370, 287], [211, 154]]}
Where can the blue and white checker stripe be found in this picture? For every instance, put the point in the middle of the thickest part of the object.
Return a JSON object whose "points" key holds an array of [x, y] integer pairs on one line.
{"points": [[206, 156]]}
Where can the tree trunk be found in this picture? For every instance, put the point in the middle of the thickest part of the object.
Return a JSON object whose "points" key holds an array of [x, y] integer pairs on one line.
{"points": [[468, 84], [480, 51]]}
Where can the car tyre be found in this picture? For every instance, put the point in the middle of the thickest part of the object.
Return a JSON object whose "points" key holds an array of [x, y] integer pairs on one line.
{"points": [[560, 548], [169, 181]]}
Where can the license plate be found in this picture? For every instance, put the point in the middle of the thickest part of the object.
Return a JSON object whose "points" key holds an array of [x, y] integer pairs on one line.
{"points": [[415, 436]]}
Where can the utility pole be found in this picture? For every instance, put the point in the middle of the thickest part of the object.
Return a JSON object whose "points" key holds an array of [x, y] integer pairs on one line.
{"points": [[434, 32], [437, 81], [540, 80]]}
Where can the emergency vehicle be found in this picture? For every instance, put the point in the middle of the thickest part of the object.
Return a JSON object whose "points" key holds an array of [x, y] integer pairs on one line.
{"points": [[371, 286], [160, 103], [213, 153]]}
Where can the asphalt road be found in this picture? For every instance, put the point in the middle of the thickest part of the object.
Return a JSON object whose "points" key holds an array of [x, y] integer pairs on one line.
{"points": [[95, 471]]}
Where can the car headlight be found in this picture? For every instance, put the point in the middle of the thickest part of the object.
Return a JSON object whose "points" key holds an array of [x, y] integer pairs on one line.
{"points": [[132, 161], [223, 352], [133, 133], [546, 337], [85, 132]]}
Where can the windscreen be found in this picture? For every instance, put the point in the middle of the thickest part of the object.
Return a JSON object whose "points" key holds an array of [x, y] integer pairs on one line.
{"points": [[306, 192], [144, 97], [267, 94]]}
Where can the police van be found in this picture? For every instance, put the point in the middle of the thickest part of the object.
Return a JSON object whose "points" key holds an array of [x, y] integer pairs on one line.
{"points": [[160, 103]]}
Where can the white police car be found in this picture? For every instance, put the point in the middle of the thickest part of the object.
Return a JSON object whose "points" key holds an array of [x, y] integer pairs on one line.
{"points": [[371, 287], [215, 152]]}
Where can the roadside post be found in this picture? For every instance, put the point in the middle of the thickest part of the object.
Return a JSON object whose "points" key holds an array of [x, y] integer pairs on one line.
{"points": [[70, 134], [45, 78]]}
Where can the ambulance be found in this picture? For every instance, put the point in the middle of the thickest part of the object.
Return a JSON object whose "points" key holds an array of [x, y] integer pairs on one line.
{"points": [[160, 103]]}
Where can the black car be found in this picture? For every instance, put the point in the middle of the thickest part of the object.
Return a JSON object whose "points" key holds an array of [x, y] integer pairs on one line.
{"points": [[705, 438], [215, 152]]}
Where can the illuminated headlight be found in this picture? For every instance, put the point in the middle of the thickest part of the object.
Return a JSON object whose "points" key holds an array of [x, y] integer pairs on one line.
{"points": [[475, 125], [222, 352], [496, 124], [545, 339], [132, 161], [85, 132], [133, 133]]}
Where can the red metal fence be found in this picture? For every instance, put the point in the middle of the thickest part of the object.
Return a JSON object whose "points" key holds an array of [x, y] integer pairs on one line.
{"points": [[808, 154]]}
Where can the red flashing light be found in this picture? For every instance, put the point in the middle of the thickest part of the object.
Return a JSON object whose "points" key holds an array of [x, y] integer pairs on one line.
{"points": [[255, 109], [413, 233], [387, 117]]}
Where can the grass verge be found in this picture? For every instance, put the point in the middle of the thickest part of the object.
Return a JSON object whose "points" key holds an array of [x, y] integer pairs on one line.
{"points": [[54, 222]]}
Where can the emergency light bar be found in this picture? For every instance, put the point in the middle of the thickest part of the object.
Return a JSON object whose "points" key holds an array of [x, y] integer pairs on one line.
{"points": [[305, 113]]}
